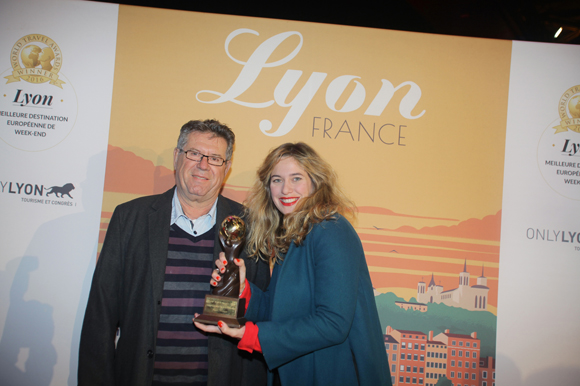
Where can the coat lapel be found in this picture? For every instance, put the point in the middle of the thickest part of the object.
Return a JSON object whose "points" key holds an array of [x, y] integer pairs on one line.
{"points": [[223, 210], [159, 220]]}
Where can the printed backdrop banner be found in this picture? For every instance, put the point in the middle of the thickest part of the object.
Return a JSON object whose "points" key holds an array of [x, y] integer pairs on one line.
{"points": [[540, 242], [56, 63], [414, 124]]}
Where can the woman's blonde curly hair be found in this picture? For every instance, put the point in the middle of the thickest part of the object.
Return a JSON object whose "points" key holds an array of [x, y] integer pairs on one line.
{"points": [[271, 232]]}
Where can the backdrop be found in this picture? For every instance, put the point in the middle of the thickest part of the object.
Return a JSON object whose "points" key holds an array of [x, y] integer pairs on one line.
{"points": [[461, 155]]}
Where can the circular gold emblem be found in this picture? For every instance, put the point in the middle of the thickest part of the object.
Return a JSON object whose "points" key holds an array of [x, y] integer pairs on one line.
{"points": [[37, 59], [569, 111]]}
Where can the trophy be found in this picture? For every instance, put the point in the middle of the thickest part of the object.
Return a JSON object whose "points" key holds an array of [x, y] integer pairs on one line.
{"points": [[224, 303]]}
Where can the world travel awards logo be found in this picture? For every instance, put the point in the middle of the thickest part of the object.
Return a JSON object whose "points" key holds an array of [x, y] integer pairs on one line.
{"points": [[559, 147], [38, 105]]}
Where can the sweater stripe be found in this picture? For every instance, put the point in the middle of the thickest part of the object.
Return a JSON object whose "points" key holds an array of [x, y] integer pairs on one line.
{"points": [[181, 355]]}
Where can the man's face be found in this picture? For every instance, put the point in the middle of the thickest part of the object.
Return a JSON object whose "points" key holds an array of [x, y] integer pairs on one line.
{"points": [[200, 182]]}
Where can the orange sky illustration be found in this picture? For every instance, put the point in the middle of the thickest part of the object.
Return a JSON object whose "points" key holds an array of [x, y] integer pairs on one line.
{"points": [[397, 258]]}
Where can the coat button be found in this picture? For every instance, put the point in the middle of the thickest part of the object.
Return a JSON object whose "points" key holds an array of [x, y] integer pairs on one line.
{"points": [[150, 353]]}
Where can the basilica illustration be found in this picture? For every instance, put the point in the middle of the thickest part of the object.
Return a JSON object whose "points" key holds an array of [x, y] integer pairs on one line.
{"points": [[473, 298]]}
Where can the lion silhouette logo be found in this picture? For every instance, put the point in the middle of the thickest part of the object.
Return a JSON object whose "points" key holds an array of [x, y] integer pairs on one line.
{"points": [[62, 190]]}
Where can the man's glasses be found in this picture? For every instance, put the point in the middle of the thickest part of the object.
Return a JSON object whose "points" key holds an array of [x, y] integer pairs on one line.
{"points": [[196, 156]]}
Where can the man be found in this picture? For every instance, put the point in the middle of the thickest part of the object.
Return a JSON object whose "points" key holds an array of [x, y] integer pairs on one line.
{"points": [[153, 273]]}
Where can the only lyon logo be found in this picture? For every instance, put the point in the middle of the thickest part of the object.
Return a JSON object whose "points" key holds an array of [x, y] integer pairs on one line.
{"points": [[39, 193], [36, 59]]}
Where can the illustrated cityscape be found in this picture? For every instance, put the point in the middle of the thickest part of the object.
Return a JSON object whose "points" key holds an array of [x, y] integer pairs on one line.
{"points": [[418, 357]]}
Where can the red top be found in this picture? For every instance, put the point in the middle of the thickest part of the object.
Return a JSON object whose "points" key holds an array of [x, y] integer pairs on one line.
{"points": [[249, 341]]}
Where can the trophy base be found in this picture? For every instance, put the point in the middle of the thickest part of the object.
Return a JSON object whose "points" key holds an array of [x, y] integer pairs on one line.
{"points": [[213, 320], [228, 310]]}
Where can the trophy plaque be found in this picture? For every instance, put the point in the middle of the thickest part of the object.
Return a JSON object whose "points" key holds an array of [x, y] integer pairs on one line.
{"points": [[224, 303]]}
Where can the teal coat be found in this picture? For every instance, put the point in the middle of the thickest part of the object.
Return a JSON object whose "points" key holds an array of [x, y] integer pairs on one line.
{"points": [[318, 321]]}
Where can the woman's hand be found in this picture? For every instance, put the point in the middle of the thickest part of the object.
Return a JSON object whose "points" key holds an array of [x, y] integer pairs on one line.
{"points": [[221, 264], [221, 328]]}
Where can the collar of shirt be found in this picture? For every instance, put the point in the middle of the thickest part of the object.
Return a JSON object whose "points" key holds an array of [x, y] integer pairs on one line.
{"points": [[196, 227]]}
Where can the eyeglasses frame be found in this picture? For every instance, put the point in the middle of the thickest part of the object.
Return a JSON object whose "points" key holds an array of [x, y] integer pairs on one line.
{"points": [[202, 155]]}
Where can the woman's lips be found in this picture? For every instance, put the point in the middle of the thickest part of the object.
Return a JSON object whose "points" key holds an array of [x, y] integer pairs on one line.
{"points": [[288, 201]]}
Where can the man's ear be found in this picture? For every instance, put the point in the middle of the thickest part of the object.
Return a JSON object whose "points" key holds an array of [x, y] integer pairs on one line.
{"points": [[175, 155]]}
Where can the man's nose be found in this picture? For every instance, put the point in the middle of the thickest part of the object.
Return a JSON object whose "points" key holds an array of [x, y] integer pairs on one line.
{"points": [[203, 164]]}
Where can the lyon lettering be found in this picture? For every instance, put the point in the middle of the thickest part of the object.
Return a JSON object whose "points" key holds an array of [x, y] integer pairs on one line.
{"points": [[258, 60], [571, 148], [25, 99]]}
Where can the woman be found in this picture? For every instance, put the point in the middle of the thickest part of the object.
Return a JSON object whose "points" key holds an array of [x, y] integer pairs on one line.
{"points": [[317, 323]]}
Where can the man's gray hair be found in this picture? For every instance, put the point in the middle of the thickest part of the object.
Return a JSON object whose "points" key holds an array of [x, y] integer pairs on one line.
{"points": [[208, 126]]}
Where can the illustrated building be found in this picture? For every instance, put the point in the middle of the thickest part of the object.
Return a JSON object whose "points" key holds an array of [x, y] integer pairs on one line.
{"points": [[411, 358], [435, 361], [412, 306], [420, 359], [487, 371], [392, 348], [462, 357], [473, 298]]}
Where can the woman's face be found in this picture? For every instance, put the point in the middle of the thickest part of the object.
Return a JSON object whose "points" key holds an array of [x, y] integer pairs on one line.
{"points": [[289, 184]]}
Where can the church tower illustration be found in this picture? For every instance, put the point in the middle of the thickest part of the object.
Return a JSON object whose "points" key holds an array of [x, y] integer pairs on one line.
{"points": [[473, 298]]}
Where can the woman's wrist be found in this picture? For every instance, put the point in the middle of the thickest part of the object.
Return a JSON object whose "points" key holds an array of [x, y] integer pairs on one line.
{"points": [[242, 288]]}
